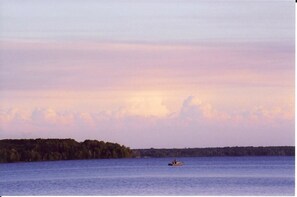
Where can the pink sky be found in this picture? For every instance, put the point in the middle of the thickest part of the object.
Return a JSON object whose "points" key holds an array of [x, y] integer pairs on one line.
{"points": [[184, 91], [148, 95]]}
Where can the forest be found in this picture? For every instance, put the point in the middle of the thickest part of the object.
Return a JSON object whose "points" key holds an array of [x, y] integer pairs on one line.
{"points": [[22, 150], [208, 152], [18, 150]]}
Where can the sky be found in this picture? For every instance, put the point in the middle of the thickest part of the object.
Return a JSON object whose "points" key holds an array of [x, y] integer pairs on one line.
{"points": [[158, 73]]}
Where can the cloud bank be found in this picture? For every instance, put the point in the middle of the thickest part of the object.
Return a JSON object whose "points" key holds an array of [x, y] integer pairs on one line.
{"points": [[196, 124]]}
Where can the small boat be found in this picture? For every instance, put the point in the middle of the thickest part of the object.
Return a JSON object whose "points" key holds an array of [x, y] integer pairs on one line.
{"points": [[176, 163]]}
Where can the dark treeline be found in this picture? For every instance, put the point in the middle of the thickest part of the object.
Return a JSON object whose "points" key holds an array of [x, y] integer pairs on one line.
{"points": [[69, 149], [59, 149], [208, 152]]}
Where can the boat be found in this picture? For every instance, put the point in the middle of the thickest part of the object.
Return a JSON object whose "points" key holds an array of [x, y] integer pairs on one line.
{"points": [[176, 163]]}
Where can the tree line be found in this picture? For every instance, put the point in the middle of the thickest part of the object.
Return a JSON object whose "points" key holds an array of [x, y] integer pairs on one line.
{"points": [[12, 150], [59, 149], [225, 151]]}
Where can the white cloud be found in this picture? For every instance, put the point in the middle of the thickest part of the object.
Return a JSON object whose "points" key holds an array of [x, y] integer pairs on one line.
{"points": [[196, 124]]}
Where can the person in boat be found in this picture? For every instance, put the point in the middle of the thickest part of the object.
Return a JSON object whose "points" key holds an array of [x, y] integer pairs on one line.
{"points": [[175, 163]]}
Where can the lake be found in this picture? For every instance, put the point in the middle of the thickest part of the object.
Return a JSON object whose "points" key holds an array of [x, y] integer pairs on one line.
{"points": [[151, 176]]}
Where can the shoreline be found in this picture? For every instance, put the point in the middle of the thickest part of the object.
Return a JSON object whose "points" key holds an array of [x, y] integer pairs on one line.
{"points": [[30, 150], [218, 151]]}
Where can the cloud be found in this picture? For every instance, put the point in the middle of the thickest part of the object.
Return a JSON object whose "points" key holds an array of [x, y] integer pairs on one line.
{"points": [[146, 104], [50, 116], [193, 109], [190, 111], [196, 123]]}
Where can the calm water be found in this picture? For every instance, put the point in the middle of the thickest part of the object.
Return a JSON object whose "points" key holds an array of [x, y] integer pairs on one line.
{"points": [[199, 176]]}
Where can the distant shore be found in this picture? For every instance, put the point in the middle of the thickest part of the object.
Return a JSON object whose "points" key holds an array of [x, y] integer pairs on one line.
{"points": [[28, 150], [219, 151]]}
